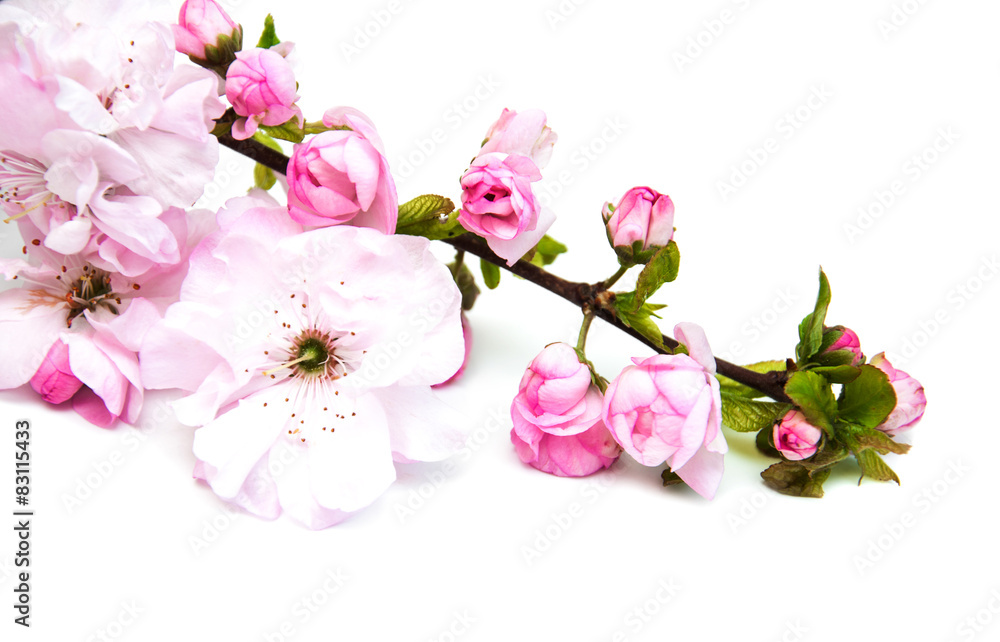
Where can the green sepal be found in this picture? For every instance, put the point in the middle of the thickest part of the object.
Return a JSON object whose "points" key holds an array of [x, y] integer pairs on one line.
{"points": [[811, 328], [765, 443], [661, 268], [814, 397], [639, 319], [491, 274], [868, 399], [268, 38], [745, 415]]}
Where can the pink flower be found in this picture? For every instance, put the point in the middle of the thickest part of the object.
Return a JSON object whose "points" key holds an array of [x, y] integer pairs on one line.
{"points": [[910, 398], [643, 221], [342, 177], [260, 84], [75, 320], [309, 359], [498, 204], [795, 438], [522, 133], [668, 408], [115, 134], [201, 23], [557, 417], [467, 338], [849, 341], [54, 380]]}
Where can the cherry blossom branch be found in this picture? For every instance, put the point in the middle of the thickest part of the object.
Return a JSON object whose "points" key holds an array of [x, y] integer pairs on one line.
{"points": [[589, 297]]}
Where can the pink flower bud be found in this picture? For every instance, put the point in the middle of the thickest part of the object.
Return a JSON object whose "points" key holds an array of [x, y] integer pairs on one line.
{"points": [[668, 408], [54, 380], [260, 84], [200, 24], [557, 416], [848, 341], [522, 133], [342, 177], [499, 205], [910, 398], [795, 438], [643, 216]]}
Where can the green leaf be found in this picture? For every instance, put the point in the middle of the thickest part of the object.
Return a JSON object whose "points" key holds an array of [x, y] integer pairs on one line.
{"points": [[491, 274], [789, 478], [811, 328], [662, 268], [868, 399], [737, 388], [639, 319], [268, 38], [872, 466], [812, 394], [860, 438], [744, 415], [263, 176], [838, 374], [546, 251], [424, 208], [288, 130], [431, 216]]}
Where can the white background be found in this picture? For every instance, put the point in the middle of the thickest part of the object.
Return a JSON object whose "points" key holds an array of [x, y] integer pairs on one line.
{"points": [[871, 562]]}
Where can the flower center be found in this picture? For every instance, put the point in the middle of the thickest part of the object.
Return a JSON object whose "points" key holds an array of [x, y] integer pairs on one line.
{"points": [[88, 292], [22, 182], [312, 356]]}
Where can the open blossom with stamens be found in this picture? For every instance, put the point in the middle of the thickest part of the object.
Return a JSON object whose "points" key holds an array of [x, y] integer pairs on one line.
{"points": [[73, 327], [101, 132], [309, 357]]}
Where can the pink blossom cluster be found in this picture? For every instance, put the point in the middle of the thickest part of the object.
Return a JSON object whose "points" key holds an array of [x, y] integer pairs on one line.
{"points": [[662, 409], [105, 144]]}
